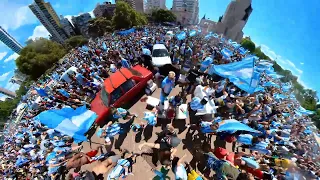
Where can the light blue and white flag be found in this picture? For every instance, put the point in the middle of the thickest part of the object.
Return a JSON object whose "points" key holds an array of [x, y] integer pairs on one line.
{"points": [[181, 36], [242, 51], [192, 33], [104, 46], [271, 84], [233, 125], [68, 121], [85, 48], [275, 76], [215, 35], [195, 104], [240, 73], [304, 111], [226, 53]]}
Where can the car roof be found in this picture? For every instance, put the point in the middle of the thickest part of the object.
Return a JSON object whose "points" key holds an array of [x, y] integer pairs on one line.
{"points": [[116, 79], [159, 46]]}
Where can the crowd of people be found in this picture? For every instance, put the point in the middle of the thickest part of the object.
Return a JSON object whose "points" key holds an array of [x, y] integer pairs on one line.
{"points": [[272, 138]]}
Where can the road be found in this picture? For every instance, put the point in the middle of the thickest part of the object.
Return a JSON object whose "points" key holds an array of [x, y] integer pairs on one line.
{"points": [[141, 170]]}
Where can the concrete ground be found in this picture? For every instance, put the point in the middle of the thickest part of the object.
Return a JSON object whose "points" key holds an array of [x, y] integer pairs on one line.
{"points": [[131, 141]]}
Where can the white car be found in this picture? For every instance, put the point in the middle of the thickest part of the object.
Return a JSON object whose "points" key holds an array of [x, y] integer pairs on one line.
{"points": [[160, 55]]}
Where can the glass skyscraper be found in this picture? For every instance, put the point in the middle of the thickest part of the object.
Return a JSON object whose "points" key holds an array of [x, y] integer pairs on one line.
{"points": [[10, 41], [49, 19]]}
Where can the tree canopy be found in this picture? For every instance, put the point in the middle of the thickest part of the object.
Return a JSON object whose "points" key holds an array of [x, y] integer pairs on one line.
{"points": [[126, 17], [7, 106], [76, 41], [99, 26], [38, 56], [248, 44], [163, 15]]}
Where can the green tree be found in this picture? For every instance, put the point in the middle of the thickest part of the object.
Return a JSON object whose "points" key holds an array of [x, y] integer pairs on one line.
{"points": [[126, 17], [99, 26], [257, 51], [163, 15], [248, 44], [76, 41], [39, 56]]}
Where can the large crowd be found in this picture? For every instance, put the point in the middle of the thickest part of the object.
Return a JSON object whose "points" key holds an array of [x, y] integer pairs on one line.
{"points": [[272, 137]]}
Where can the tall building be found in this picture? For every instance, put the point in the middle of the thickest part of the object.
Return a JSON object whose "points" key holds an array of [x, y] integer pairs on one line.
{"points": [[81, 23], [18, 77], [67, 26], [187, 11], [206, 25], [7, 92], [49, 19], [234, 19], [155, 4], [131, 3], [135, 4], [10, 41], [104, 8]]}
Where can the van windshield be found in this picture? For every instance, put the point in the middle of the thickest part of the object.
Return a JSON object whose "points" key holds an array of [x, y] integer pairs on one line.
{"points": [[160, 53]]}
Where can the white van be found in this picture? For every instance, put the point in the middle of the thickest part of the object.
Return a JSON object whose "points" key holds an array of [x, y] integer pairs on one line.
{"points": [[160, 55]]}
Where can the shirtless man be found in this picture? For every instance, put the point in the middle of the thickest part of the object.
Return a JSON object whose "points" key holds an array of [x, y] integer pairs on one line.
{"points": [[102, 167]]}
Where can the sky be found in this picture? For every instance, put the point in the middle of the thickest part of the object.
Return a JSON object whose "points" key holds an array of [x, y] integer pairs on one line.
{"points": [[287, 31]]}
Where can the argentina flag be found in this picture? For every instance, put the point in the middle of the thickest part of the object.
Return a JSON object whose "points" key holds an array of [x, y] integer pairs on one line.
{"points": [[226, 53], [192, 33], [68, 121], [241, 73], [181, 36]]}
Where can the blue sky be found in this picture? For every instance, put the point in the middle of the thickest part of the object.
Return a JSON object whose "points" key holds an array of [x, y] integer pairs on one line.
{"points": [[285, 30]]}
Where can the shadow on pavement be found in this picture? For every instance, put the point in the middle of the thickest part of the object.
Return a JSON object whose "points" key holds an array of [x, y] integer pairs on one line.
{"points": [[147, 133], [126, 128]]}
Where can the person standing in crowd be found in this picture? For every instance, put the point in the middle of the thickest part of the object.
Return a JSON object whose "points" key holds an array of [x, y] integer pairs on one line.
{"points": [[166, 86]]}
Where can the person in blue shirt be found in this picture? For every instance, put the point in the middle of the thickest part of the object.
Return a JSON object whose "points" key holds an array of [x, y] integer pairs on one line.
{"points": [[166, 86], [118, 113], [125, 63], [80, 78], [205, 64]]}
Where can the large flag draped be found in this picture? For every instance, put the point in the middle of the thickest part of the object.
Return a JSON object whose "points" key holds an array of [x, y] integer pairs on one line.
{"points": [[72, 122], [241, 73]]}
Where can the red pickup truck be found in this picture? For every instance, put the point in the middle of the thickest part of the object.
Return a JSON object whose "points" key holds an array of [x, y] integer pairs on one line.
{"points": [[121, 87]]}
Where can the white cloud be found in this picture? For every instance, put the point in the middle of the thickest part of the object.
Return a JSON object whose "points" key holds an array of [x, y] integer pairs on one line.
{"points": [[39, 31], [3, 98], [4, 76], [91, 14], [12, 87], [15, 15], [2, 55], [303, 83], [284, 63], [12, 57], [302, 63]]}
